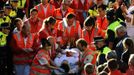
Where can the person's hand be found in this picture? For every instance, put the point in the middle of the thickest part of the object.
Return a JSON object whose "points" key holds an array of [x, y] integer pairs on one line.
{"points": [[30, 49], [71, 72], [57, 68], [61, 70], [27, 50]]}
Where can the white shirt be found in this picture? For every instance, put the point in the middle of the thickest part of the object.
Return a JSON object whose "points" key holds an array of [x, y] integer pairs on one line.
{"points": [[82, 1], [45, 10], [69, 29], [105, 2], [59, 59], [15, 30], [25, 41], [131, 8]]}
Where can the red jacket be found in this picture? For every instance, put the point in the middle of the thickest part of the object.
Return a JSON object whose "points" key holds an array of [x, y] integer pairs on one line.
{"points": [[116, 72], [42, 14], [18, 44], [78, 7], [35, 26], [59, 15], [102, 23], [46, 32], [85, 54], [88, 36], [130, 71], [74, 33], [38, 68]]}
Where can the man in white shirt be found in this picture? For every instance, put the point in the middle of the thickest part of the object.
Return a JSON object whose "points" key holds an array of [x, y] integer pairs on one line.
{"points": [[130, 22]]}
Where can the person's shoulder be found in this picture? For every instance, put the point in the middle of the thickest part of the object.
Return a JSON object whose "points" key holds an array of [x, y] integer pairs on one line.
{"points": [[70, 9], [38, 5], [51, 5], [109, 31], [41, 51], [57, 10], [60, 22]]}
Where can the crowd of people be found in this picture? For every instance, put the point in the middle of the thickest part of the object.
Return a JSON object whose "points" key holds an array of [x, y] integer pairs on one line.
{"points": [[67, 37]]}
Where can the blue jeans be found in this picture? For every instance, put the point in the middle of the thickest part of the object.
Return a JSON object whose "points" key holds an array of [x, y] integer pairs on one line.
{"points": [[22, 69]]}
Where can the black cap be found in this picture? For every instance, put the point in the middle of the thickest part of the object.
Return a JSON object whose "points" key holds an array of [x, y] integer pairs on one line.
{"points": [[8, 6], [5, 25], [98, 39], [111, 55]]}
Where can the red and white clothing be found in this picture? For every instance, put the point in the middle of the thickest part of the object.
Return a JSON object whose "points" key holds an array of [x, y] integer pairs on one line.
{"points": [[35, 25], [40, 60], [89, 36], [45, 11], [20, 44], [80, 6], [47, 32], [102, 23], [69, 32], [59, 14]]}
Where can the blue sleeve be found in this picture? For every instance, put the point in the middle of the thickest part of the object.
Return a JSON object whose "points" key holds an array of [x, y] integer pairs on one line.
{"points": [[111, 36], [102, 59]]}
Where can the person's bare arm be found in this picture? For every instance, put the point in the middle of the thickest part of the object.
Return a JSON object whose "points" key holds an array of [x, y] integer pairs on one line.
{"points": [[133, 20], [51, 67]]}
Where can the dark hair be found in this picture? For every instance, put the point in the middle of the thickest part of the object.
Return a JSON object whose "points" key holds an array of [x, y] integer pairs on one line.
{"points": [[113, 64], [45, 42], [102, 6], [65, 66], [130, 45], [90, 21], [17, 20], [33, 9], [89, 68], [111, 15], [46, 22], [82, 42], [51, 20], [70, 15]]}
